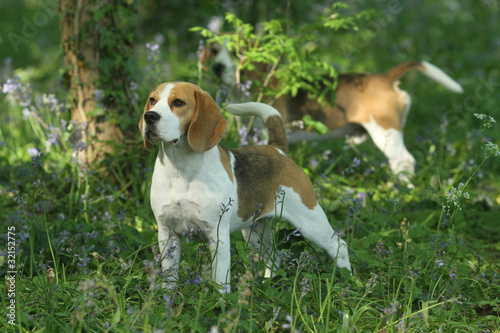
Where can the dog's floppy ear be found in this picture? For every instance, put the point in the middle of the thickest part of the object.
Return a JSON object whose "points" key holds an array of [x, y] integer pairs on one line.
{"points": [[147, 144], [207, 125]]}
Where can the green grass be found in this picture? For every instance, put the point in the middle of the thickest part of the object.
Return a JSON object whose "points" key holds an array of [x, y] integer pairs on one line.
{"points": [[426, 259]]}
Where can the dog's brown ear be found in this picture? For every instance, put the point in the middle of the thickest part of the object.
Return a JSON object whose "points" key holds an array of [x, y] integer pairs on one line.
{"points": [[147, 144], [205, 54], [207, 125]]}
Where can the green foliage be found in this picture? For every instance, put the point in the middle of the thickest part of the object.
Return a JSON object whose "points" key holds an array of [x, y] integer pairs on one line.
{"points": [[291, 52], [117, 23]]}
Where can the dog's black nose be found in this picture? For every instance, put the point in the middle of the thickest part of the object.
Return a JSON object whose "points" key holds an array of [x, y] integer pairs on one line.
{"points": [[151, 117], [218, 68]]}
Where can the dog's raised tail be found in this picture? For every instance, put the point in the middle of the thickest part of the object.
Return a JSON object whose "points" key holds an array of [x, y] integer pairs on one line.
{"points": [[429, 70], [270, 116]]}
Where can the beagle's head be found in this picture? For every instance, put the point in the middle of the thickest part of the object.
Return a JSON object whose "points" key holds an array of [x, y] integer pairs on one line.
{"points": [[181, 110]]}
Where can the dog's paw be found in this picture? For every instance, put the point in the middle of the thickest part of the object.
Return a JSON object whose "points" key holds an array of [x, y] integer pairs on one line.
{"points": [[169, 285]]}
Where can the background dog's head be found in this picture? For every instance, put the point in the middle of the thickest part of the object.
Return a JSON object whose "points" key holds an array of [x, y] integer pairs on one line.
{"points": [[217, 58]]}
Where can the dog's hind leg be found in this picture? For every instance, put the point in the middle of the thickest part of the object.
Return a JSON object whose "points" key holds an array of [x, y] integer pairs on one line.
{"points": [[314, 226], [260, 238], [385, 127], [390, 141]]}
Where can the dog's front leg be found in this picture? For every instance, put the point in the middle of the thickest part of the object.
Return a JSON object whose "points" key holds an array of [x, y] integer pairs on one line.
{"points": [[170, 253], [221, 257]]}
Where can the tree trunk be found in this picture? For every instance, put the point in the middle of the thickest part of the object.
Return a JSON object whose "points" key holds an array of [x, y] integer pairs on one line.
{"points": [[82, 42]]}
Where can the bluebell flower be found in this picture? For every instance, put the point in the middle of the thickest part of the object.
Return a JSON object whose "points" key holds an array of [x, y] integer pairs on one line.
{"points": [[243, 132], [452, 274], [438, 263], [354, 164]]}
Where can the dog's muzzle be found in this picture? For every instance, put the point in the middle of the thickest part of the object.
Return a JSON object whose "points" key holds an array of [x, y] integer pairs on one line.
{"points": [[151, 117]]}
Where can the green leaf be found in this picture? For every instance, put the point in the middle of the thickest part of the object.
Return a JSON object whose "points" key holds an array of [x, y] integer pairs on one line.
{"points": [[316, 125]]}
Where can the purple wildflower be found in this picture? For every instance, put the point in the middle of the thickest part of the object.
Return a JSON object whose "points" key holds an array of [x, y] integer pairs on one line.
{"points": [[305, 286], [313, 162], [33, 152], [320, 184], [53, 136], [243, 136], [452, 274], [355, 163], [438, 263]]}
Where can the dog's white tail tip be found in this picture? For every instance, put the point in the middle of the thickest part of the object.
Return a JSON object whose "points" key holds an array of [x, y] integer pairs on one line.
{"points": [[253, 109], [438, 75]]}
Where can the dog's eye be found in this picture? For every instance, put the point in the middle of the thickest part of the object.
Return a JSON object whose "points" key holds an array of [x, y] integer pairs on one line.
{"points": [[178, 103], [152, 101]]}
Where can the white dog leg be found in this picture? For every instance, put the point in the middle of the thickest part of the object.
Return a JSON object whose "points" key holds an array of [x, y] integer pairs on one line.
{"points": [[221, 258], [170, 253], [391, 143], [314, 226]]}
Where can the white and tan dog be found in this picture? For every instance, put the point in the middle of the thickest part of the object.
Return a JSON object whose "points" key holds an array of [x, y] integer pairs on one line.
{"points": [[370, 104], [200, 185]]}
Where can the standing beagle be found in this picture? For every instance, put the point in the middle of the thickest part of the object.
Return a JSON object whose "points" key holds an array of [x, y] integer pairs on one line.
{"points": [[200, 185], [370, 104]]}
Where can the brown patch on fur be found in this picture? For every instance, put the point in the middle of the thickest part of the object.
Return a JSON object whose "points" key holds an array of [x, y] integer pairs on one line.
{"points": [[382, 102], [207, 125], [401, 69], [357, 97], [260, 171], [226, 162], [277, 133], [186, 93]]}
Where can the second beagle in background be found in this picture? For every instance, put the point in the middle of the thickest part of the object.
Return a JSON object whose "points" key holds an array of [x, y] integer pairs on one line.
{"points": [[200, 185], [370, 104]]}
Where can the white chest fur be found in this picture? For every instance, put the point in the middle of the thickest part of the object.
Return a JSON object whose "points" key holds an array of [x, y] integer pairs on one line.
{"points": [[187, 189]]}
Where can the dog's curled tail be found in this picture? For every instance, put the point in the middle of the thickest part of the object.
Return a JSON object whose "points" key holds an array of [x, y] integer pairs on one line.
{"points": [[428, 69], [270, 116]]}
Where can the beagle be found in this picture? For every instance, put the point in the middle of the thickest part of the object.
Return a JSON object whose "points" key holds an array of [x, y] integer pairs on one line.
{"points": [[370, 104], [200, 185]]}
